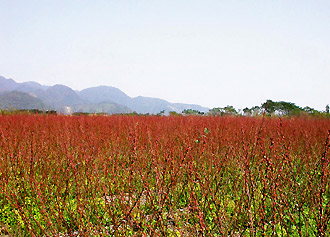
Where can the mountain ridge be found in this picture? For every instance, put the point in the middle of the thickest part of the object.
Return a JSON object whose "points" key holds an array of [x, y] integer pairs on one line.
{"points": [[102, 98]]}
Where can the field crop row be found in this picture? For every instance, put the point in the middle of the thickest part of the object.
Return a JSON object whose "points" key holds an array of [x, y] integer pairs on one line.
{"points": [[164, 176]]}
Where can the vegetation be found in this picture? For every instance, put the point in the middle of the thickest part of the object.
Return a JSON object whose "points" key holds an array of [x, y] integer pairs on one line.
{"points": [[192, 112], [164, 175], [269, 108], [28, 111], [228, 110], [16, 100], [287, 109]]}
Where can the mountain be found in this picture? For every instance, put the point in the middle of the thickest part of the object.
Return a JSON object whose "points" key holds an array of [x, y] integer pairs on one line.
{"points": [[20, 100], [10, 85], [179, 107], [101, 94], [98, 99], [155, 105], [138, 104], [7, 84], [59, 96], [30, 86]]}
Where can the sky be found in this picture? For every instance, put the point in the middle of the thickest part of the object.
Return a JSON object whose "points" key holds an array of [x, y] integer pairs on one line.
{"points": [[208, 52]]}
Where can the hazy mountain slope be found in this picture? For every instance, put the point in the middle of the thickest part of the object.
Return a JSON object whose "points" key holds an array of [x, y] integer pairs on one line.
{"points": [[151, 105], [30, 86], [20, 100], [101, 94], [7, 84], [95, 99], [139, 104], [154, 105], [111, 94], [59, 96], [180, 107]]}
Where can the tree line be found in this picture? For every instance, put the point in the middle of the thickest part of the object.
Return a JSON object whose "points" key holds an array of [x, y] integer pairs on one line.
{"points": [[268, 108]]}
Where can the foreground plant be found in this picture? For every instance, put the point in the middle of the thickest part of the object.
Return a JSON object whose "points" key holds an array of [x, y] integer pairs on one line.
{"points": [[170, 176]]}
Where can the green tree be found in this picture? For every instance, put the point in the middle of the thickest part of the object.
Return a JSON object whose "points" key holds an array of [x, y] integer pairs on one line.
{"points": [[162, 112], [256, 110], [247, 111], [269, 106], [173, 113], [281, 108], [310, 110], [192, 112], [228, 110]]}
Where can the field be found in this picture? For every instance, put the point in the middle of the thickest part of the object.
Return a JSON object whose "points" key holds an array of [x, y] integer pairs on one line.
{"points": [[164, 176]]}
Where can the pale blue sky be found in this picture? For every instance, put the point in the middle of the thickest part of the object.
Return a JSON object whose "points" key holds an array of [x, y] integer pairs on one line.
{"points": [[213, 53]]}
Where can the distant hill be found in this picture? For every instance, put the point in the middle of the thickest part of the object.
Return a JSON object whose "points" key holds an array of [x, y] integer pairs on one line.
{"points": [[59, 96], [106, 99], [10, 85], [30, 86], [102, 94], [20, 100], [139, 104], [7, 84]]}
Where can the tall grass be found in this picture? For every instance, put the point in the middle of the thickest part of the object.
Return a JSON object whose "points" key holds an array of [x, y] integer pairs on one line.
{"points": [[172, 176]]}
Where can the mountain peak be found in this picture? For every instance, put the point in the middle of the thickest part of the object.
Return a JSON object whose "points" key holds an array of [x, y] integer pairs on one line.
{"points": [[7, 84]]}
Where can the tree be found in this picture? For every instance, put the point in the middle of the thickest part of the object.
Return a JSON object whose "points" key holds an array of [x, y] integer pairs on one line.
{"points": [[173, 113], [281, 108], [269, 106], [256, 110], [310, 110], [192, 112], [162, 112], [228, 110], [216, 111], [247, 111]]}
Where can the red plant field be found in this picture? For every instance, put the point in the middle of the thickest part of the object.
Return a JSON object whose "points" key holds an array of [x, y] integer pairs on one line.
{"points": [[164, 176]]}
